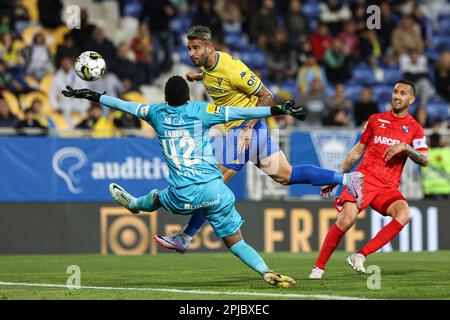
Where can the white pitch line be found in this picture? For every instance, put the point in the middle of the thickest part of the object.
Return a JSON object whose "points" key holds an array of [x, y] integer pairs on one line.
{"points": [[228, 293]]}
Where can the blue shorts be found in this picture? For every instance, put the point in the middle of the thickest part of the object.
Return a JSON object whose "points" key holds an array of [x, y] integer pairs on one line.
{"points": [[213, 198], [261, 146]]}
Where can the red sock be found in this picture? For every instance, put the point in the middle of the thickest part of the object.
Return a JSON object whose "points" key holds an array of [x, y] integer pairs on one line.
{"points": [[385, 235], [330, 243]]}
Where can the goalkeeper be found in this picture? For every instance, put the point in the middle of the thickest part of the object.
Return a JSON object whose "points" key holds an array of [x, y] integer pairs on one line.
{"points": [[196, 183]]}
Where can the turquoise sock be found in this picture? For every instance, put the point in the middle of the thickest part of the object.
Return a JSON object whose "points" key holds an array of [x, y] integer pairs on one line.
{"points": [[249, 256], [144, 203]]}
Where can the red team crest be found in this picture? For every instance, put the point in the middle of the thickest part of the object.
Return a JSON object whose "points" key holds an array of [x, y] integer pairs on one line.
{"points": [[382, 178]]}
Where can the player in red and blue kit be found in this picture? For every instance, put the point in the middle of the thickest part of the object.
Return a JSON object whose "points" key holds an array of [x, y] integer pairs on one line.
{"points": [[387, 141]]}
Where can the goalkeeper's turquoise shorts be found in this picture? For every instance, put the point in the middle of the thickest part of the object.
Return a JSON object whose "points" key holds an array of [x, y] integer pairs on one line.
{"points": [[213, 198]]}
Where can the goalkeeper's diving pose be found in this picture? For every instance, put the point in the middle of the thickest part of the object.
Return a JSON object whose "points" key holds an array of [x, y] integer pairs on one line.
{"points": [[196, 182]]}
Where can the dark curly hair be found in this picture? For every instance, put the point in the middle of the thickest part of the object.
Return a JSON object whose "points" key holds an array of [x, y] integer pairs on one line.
{"points": [[176, 91]]}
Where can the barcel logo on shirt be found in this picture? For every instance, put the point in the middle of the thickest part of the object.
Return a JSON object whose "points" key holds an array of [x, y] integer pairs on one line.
{"points": [[386, 141], [213, 109]]}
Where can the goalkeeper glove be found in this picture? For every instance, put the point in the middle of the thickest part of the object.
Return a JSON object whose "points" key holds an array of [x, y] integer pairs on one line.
{"points": [[289, 108], [82, 94]]}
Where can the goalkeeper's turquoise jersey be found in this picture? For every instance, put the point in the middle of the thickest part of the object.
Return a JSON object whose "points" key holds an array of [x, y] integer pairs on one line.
{"points": [[183, 134]]}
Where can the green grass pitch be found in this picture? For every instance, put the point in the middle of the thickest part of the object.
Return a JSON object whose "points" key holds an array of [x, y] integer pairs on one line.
{"points": [[403, 276]]}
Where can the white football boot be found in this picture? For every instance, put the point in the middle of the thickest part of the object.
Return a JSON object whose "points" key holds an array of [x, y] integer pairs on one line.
{"points": [[316, 273], [121, 196], [356, 261]]}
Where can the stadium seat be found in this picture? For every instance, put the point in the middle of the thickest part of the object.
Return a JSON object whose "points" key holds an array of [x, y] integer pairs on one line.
{"points": [[45, 84], [437, 109], [32, 8], [444, 26], [291, 87], [433, 55], [312, 10], [253, 58], [382, 92], [13, 103], [363, 75], [134, 96], [236, 40], [440, 42], [29, 32], [353, 91], [392, 75], [27, 99]]}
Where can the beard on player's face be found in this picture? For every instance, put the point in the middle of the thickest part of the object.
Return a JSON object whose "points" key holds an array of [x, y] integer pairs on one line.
{"points": [[399, 103]]}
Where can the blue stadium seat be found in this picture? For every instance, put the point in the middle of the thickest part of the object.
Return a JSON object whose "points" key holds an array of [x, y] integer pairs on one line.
{"points": [[291, 87], [363, 75], [392, 75], [383, 105], [382, 92], [253, 59], [236, 40], [444, 26], [437, 109], [433, 55], [353, 91], [312, 10], [440, 42]]}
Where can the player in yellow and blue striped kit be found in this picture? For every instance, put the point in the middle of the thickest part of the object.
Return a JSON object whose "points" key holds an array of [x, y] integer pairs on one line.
{"points": [[230, 82]]}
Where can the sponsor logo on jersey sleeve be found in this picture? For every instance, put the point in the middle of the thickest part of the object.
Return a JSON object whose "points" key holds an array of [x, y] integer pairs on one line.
{"points": [[420, 143], [144, 110], [213, 109]]}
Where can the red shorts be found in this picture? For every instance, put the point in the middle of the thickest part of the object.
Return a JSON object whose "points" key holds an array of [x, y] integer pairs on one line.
{"points": [[376, 194]]}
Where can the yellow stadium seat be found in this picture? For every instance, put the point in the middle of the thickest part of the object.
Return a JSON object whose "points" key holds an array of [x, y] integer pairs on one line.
{"points": [[32, 81], [32, 8], [46, 83], [59, 34], [28, 98], [29, 32], [13, 103], [134, 96]]}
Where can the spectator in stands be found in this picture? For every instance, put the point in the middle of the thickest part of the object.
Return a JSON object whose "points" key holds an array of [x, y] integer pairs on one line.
{"points": [[336, 63], [50, 13], [99, 125], [389, 23], [309, 72], [414, 67], [5, 22], [280, 57], [30, 126], [66, 76], [364, 108], [83, 35], [339, 101], [20, 18], [206, 16], [11, 54], [442, 75], [38, 59], [350, 39], [407, 37], [334, 13], [426, 26], [370, 45], [159, 14], [315, 102], [337, 118], [142, 47], [303, 52], [297, 23], [99, 43], [320, 41], [123, 66], [13, 83], [66, 49], [264, 22], [359, 16], [435, 177], [123, 120], [229, 12], [421, 115], [7, 119]]}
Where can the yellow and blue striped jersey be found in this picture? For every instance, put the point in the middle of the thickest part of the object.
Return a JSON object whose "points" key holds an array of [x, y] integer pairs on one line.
{"points": [[231, 83]]}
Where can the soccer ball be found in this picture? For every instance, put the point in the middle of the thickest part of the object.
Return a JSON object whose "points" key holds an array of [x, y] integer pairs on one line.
{"points": [[90, 66]]}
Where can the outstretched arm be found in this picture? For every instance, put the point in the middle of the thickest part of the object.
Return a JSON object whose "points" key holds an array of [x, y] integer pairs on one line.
{"points": [[419, 157], [108, 101]]}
